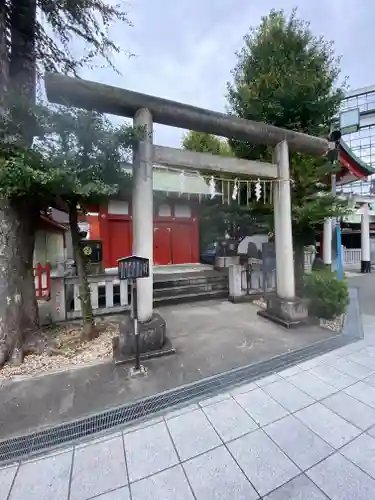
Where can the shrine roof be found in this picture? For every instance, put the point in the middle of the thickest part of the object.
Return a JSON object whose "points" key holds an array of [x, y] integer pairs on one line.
{"points": [[351, 162]]}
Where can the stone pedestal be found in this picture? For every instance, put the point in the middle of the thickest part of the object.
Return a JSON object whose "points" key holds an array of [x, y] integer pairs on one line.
{"points": [[286, 312], [222, 262], [235, 283], [365, 266], [153, 340]]}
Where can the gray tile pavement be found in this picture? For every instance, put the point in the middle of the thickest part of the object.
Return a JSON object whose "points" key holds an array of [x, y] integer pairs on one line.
{"points": [[311, 385], [229, 419], [216, 475], [299, 488], [288, 395], [333, 429], [307, 432], [261, 407], [363, 392], [120, 494], [242, 389], [43, 479], [98, 468], [361, 451], [288, 372], [340, 479], [7, 476], [350, 409], [351, 368], [263, 462], [274, 377], [298, 442], [332, 376], [214, 399], [169, 484], [192, 434], [148, 451]]}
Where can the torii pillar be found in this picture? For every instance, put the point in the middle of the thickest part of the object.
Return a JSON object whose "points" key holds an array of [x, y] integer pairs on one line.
{"points": [[143, 210], [365, 239]]}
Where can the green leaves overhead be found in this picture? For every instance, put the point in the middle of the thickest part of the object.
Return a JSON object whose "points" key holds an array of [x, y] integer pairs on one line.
{"points": [[206, 143], [67, 34], [288, 77], [90, 150], [78, 155]]}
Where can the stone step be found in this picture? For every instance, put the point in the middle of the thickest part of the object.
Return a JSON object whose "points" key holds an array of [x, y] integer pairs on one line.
{"points": [[177, 282], [177, 299], [190, 289]]}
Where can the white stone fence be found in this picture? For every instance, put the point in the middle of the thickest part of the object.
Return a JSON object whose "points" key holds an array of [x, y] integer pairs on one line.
{"points": [[351, 258], [108, 295]]}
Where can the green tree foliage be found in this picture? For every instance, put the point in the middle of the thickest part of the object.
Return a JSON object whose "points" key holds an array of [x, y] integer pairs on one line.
{"points": [[35, 35], [86, 153], [287, 77], [328, 296], [216, 218], [206, 143]]}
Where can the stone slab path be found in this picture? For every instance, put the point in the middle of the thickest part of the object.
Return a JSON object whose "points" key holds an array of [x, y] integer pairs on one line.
{"points": [[307, 432]]}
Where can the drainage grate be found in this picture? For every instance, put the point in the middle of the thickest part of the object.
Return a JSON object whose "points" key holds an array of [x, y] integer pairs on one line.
{"points": [[32, 444]]}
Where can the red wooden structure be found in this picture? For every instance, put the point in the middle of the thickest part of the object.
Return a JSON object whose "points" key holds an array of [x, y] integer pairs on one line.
{"points": [[176, 234], [43, 281]]}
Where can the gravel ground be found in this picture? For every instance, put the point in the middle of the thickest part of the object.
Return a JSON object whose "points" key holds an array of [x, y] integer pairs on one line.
{"points": [[68, 351]]}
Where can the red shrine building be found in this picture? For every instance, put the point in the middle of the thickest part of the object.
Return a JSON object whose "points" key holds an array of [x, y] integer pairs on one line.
{"points": [[176, 233]]}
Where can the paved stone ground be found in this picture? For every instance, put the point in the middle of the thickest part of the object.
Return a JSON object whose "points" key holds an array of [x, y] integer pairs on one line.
{"points": [[307, 432], [210, 337]]}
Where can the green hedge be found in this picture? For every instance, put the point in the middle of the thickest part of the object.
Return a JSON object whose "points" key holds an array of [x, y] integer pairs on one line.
{"points": [[328, 296]]}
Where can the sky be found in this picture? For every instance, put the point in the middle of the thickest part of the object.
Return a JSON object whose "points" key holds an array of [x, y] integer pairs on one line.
{"points": [[185, 49]]}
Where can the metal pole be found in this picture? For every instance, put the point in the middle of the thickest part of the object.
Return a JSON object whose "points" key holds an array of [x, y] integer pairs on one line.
{"points": [[339, 253], [135, 324], [334, 254]]}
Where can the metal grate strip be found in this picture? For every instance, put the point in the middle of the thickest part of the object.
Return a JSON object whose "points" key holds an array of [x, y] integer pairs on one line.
{"points": [[31, 444]]}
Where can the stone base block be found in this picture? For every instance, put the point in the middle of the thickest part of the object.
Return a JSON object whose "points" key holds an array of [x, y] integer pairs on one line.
{"points": [[142, 372], [365, 266], [286, 312], [152, 337], [245, 298]]}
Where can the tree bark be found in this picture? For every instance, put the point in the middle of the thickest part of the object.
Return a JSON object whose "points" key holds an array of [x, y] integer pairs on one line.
{"points": [[88, 322], [18, 335], [29, 215], [18, 307], [11, 334], [299, 265]]}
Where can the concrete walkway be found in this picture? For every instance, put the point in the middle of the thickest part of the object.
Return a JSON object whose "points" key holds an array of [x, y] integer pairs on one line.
{"points": [[307, 432]]}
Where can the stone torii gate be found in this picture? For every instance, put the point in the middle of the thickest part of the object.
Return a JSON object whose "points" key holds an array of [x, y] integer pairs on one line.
{"points": [[146, 110]]}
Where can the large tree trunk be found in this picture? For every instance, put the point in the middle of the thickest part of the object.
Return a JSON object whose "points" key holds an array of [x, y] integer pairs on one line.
{"points": [[19, 326], [89, 330], [18, 308], [22, 74], [29, 215], [10, 297], [299, 265], [11, 334]]}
